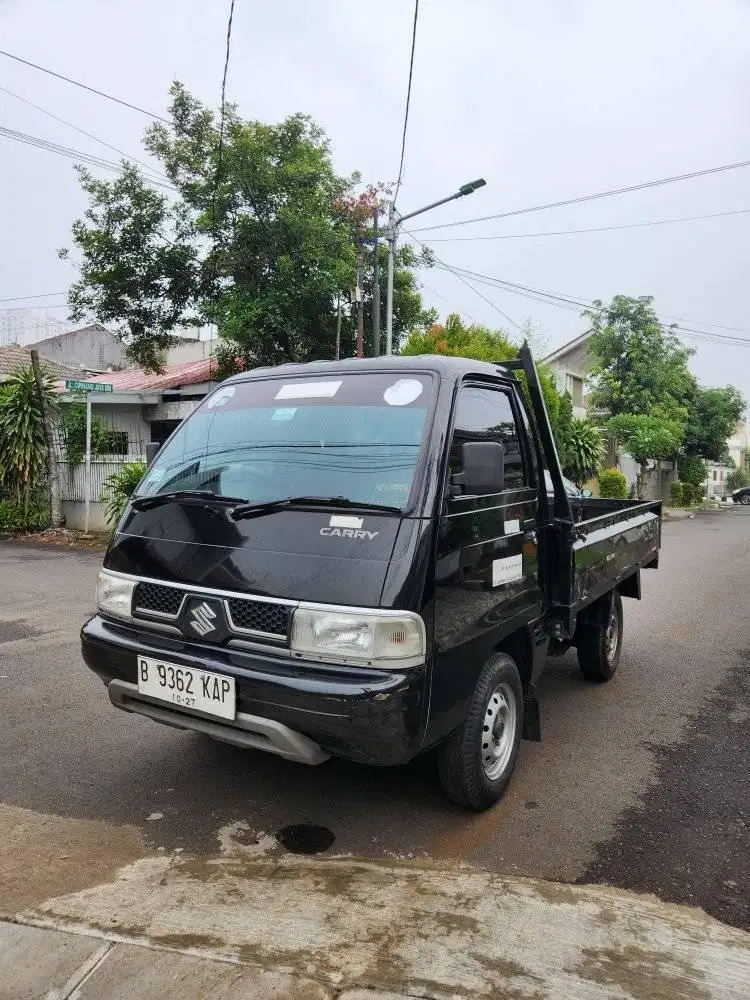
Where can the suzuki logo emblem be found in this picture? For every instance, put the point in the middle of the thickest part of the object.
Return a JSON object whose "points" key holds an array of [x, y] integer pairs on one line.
{"points": [[202, 619]]}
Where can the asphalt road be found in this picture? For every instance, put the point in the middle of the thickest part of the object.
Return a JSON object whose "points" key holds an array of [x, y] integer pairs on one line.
{"points": [[641, 783]]}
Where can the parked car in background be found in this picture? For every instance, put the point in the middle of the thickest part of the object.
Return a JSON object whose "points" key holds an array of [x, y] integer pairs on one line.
{"points": [[570, 488], [742, 495]]}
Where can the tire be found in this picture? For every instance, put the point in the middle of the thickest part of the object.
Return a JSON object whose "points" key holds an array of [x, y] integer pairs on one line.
{"points": [[474, 768], [599, 645], [745, 499]]}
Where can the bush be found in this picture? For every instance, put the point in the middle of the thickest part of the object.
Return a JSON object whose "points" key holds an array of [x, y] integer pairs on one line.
{"points": [[34, 516], [736, 479], [691, 469], [118, 488], [612, 484], [688, 494], [676, 493]]}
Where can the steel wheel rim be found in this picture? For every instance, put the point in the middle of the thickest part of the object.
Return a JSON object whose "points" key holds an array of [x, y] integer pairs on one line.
{"points": [[499, 731], [613, 634]]}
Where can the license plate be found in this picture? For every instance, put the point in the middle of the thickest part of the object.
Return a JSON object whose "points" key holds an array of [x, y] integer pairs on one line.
{"points": [[186, 687]]}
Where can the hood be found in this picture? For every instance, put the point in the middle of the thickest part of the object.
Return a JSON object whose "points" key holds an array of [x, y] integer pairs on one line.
{"points": [[329, 557]]}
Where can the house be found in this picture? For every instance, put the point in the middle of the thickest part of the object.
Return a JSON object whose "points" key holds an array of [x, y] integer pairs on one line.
{"points": [[569, 365], [141, 407], [93, 347], [13, 356], [738, 450]]}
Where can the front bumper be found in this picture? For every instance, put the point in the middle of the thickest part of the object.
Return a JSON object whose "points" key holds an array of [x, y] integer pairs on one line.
{"points": [[370, 716]]}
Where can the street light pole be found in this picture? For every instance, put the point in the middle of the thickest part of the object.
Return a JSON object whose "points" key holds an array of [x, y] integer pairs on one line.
{"points": [[393, 224]]}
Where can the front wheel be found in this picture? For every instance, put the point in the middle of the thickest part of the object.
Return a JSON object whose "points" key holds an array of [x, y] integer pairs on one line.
{"points": [[745, 498], [477, 761], [599, 643]]}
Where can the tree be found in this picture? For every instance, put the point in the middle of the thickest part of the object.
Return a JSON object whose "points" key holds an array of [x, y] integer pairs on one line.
{"points": [[455, 338], [647, 439], [736, 479], [259, 238], [640, 381], [639, 367], [713, 415], [23, 443], [584, 453], [692, 469]]}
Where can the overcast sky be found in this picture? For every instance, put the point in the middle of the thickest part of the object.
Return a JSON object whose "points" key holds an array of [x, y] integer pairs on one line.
{"points": [[546, 99]]}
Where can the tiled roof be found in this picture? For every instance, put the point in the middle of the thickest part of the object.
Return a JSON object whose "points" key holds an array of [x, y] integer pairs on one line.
{"points": [[137, 380], [12, 357]]}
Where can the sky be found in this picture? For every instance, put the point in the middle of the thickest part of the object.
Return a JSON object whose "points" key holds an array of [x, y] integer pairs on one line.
{"points": [[545, 99]]}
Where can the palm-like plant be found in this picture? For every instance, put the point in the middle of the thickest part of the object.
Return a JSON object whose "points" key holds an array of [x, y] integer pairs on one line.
{"points": [[584, 450], [118, 488], [23, 448]]}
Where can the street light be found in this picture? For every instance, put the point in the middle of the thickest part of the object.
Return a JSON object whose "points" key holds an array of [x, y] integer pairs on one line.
{"points": [[393, 224]]}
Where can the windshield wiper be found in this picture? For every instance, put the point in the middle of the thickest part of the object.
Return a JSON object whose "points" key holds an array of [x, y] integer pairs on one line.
{"points": [[245, 510], [157, 499]]}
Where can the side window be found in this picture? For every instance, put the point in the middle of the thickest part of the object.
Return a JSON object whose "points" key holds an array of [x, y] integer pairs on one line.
{"points": [[486, 415]]}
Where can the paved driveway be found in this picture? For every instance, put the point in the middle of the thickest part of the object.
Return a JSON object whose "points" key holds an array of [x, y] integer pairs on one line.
{"points": [[641, 783]]}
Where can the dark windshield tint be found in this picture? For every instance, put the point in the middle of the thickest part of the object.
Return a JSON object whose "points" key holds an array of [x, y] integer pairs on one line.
{"points": [[357, 436]]}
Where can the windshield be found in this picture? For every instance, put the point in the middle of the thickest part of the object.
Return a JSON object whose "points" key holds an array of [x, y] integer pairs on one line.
{"points": [[350, 435]]}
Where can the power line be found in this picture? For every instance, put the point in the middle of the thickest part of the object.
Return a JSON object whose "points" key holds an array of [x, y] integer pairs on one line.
{"points": [[26, 298], [408, 100], [89, 135], [571, 302], [595, 229], [73, 154], [84, 86], [593, 197], [461, 312], [220, 147]]}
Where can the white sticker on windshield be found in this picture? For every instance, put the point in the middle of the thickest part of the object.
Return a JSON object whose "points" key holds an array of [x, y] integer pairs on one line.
{"points": [[512, 527], [507, 570], [308, 390], [403, 392], [221, 396], [284, 413]]}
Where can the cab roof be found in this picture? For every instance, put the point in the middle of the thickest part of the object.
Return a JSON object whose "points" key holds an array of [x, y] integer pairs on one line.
{"points": [[451, 368]]}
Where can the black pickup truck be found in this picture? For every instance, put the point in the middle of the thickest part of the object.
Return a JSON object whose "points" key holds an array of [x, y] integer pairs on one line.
{"points": [[362, 559]]}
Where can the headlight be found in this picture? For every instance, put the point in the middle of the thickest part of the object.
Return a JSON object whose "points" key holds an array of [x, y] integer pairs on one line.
{"points": [[367, 638], [114, 595]]}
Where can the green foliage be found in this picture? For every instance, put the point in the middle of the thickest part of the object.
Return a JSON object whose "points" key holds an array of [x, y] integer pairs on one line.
{"points": [[30, 514], [692, 469], [736, 479], [612, 484], [688, 494], [23, 448], [647, 437], [638, 367], [676, 493], [562, 432], [584, 451], [481, 343], [118, 488], [103, 440], [265, 253], [713, 415]]}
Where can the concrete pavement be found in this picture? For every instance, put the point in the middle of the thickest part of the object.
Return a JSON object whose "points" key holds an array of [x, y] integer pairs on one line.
{"points": [[249, 923]]}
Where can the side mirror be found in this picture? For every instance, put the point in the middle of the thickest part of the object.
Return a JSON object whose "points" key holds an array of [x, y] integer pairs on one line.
{"points": [[586, 493], [484, 468], [152, 449]]}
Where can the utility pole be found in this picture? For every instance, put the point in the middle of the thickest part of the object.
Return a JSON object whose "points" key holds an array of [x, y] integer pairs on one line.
{"points": [[389, 287], [375, 285], [360, 306], [58, 519], [338, 327], [393, 224]]}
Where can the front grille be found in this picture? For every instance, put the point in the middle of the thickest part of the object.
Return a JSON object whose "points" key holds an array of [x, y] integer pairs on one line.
{"points": [[258, 616], [158, 598]]}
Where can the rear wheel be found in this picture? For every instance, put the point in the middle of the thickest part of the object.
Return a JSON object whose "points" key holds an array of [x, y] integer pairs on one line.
{"points": [[745, 498], [477, 761], [599, 643]]}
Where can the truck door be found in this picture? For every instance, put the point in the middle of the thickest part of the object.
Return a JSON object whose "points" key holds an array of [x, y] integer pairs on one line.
{"points": [[486, 572]]}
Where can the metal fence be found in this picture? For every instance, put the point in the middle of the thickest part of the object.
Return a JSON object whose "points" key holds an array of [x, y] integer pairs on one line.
{"points": [[73, 477]]}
